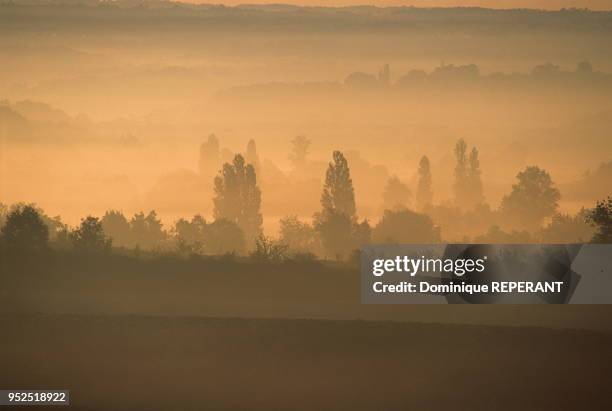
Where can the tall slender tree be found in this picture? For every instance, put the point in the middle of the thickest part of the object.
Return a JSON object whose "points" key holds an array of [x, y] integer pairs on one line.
{"points": [[209, 156], [467, 187], [251, 156], [461, 183], [338, 193], [238, 198], [299, 151], [424, 196], [475, 190], [337, 224]]}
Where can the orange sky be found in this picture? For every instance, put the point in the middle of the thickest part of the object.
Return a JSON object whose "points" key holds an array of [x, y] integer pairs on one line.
{"points": [[547, 4]]}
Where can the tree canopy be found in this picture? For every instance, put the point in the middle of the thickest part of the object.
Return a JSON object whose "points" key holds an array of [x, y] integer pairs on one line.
{"points": [[533, 198], [24, 229], [238, 198], [338, 193]]}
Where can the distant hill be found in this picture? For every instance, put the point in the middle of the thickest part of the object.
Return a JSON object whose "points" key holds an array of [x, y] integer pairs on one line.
{"points": [[107, 15], [12, 124], [28, 120], [40, 112]]}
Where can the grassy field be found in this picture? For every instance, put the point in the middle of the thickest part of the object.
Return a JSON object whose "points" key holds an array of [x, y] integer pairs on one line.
{"points": [[189, 363], [64, 283], [164, 333]]}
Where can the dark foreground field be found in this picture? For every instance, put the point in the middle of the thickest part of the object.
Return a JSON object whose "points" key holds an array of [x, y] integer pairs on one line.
{"points": [[58, 283], [151, 363]]}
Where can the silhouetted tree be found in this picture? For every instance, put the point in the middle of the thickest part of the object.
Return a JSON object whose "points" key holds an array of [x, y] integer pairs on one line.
{"points": [[565, 228], [545, 70], [147, 231], [458, 225], [384, 76], [361, 81], [54, 224], [584, 67], [209, 156], [413, 79], [224, 237], [362, 234], [89, 236], [474, 184], [532, 199], [3, 214], [117, 227], [191, 235], [63, 239], [424, 196], [24, 229], [496, 235], [252, 158], [268, 250], [396, 194], [467, 186], [297, 235], [405, 227], [451, 73], [337, 223], [338, 193], [460, 185], [601, 218], [238, 198], [299, 151], [335, 230]]}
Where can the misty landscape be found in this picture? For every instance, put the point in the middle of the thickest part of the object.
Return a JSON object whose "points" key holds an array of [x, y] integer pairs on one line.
{"points": [[184, 190]]}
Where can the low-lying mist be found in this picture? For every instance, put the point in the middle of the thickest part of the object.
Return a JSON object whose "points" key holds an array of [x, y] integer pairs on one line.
{"points": [[104, 109]]}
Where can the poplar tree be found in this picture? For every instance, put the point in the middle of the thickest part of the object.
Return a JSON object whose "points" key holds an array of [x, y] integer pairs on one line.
{"points": [[209, 156], [424, 195], [475, 189], [467, 187], [238, 198], [299, 151], [338, 193], [461, 183], [337, 222], [251, 156]]}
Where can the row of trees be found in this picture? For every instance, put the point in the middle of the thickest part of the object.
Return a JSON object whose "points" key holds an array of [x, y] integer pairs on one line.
{"points": [[212, 156], [533, 198], [237, 225], [467, 187], [336, 229], [470, 74], [24, 229]]}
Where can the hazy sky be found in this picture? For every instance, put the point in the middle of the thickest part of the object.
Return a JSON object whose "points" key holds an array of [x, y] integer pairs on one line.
{"points": [[548, 4]]}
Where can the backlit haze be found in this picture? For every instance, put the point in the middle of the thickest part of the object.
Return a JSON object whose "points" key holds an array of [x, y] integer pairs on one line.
{"points": [[105, 105]]}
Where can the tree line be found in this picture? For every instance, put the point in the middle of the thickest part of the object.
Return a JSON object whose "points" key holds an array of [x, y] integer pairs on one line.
{"points": [[336, 230]]}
